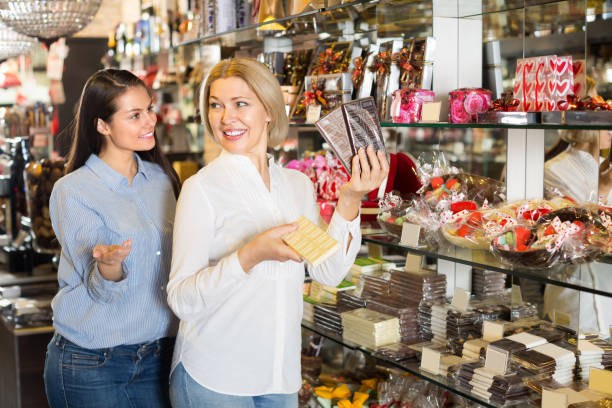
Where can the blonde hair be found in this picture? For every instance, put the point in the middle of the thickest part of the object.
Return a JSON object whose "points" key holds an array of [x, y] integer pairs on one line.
{"points": [[262, 82], [579, 136]]}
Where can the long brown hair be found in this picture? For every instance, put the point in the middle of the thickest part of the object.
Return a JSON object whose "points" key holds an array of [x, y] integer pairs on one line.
{"points": [[98, 101]]}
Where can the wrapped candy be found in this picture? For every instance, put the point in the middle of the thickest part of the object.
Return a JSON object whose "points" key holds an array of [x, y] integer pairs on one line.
{"points": [[407, 103], [567, 235], [475, 229], [466, 103]]}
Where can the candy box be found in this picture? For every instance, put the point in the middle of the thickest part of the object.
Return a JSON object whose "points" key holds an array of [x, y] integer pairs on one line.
{"points": [[328, 91], [466, 103], [407, 104]]}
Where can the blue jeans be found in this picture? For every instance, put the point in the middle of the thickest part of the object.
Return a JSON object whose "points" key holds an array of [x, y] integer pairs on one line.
{"points": [[185, 392], [124, 376]]}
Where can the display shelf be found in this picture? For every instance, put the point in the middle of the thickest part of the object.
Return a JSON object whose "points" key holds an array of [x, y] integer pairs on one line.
{"points": [[447, 125], [568, 276], [411, 366], [293, 18]]}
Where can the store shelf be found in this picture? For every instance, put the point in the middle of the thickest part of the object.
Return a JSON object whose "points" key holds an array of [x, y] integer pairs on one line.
{"points": [[569, 276], [446, 125], [411, 366], [287, 19]]}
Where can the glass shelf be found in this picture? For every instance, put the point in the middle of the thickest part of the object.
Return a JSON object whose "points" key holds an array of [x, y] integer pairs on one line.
{"points": [[578, 277], [411, 366], [447, 125]]}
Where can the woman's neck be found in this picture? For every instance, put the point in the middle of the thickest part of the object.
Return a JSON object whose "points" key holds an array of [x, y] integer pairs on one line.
{"points": [[260, 161], [123, 163]]}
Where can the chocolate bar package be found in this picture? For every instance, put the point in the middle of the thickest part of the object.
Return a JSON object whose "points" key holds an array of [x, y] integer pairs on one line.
{"points": [[362, 124], [333, 130]]}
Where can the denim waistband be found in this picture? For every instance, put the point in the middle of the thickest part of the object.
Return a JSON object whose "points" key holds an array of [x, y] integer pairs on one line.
{"points": [[60, 340]]}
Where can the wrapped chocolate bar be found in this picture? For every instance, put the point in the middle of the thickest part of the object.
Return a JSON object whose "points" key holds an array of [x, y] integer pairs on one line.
{"points": [[407, 103], [487, 283], [370, 328], [374, 286], [416, 287], [353, 126], [406, 313], [466, 103], [39, 180]]}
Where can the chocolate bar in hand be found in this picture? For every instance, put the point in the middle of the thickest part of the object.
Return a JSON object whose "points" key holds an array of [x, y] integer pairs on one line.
{"points": [[362, 125]]}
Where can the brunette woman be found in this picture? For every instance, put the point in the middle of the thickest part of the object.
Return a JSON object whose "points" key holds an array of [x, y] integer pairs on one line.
{"points": [[112, 213]]}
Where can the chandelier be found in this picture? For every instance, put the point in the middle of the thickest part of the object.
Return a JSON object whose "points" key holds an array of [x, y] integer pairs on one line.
{"points": [[13, 44], [48, 20]]}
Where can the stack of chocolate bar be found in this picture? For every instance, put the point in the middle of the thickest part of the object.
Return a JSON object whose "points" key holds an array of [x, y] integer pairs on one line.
{"points": [[495, 388], [349, 300], [370, 328], [417, 287], [396, 352], [405, 312], [593, 353], [328, 318], [461, 327], [374, 286], [424, 318], [565, 361], [475, 349], [308, 314], [487, 283], [438, 323]]}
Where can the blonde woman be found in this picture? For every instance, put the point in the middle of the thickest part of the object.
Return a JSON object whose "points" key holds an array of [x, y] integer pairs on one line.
{"points": [[235, 285]]}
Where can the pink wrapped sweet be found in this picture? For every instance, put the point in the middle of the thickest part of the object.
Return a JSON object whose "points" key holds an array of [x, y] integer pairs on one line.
{"points": [[466, 103], [407, 104]]}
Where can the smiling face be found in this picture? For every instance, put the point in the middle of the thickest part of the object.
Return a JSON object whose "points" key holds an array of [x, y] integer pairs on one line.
{"points": [[131, 127], [238, 118]]}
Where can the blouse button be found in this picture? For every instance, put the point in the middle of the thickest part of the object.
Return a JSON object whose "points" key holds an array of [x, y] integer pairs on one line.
{"points": [[158, 253]]}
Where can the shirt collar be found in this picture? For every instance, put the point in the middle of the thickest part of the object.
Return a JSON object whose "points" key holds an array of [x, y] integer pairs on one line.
{"points": [[242, 158], [110, 176]]}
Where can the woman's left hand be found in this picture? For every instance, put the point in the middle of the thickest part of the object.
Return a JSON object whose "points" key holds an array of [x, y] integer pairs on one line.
{"points": [[366, 176]]}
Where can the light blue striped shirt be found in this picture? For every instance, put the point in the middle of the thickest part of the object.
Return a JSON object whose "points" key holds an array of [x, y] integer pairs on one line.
{"points": [[96, 205]]}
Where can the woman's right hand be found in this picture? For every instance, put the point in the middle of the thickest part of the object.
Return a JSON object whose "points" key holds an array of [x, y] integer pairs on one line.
{"points": [[268, 246], [109, 259]]}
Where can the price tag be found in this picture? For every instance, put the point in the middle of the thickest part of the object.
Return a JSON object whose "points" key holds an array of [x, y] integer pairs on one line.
{"points": [[413, 263], [430, 112], [496, 360], [517, 297], [313, 113], [410, 234], [492, 331], [461, 299], [554, 399], [430, 360]]}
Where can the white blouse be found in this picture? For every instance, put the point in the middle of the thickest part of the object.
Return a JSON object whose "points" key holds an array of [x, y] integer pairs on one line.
{"points": [[240, 333]]}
